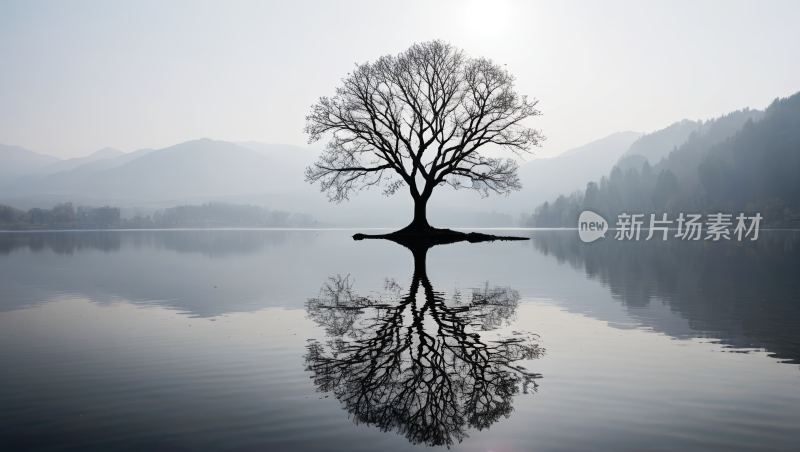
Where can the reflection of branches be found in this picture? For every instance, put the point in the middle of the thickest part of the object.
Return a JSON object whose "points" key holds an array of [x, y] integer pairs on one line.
{"points": [[421, 369], [337, 308], [493, 307]]}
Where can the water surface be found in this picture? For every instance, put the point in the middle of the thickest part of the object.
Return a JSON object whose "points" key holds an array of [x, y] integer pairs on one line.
{"points": [[307, 340]]}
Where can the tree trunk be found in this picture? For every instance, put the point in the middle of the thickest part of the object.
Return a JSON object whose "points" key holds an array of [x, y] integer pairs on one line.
{"points": [[420, 213]]}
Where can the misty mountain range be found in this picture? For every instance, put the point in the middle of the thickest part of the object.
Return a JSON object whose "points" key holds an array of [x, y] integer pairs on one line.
{"points": [[201, 167], [272, 175], [744, 161], [16, 161]]}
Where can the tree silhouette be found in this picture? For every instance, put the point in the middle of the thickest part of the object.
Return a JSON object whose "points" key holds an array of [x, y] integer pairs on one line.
{"points": [[421, 119], [420, 368]]}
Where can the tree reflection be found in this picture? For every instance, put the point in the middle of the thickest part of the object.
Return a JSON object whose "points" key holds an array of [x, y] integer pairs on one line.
{"points": [[430, 368]]}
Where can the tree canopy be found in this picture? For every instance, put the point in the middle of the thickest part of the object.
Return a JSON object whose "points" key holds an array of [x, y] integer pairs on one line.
{"points": [[418, 120]]}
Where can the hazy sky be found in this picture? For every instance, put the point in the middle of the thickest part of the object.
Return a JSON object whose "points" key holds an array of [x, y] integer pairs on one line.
{"points": [[79, 76]]}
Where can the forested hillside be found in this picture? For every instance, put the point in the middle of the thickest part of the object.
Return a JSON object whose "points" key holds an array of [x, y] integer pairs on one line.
{"points": [[759, 167], [745, 161]]}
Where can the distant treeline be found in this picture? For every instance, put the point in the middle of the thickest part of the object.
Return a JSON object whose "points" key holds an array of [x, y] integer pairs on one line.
{"points": [[755, 169], [209, 215]]}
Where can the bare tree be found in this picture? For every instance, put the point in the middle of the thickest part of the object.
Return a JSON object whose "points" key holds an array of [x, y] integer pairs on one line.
{"points": [[421, 119]]}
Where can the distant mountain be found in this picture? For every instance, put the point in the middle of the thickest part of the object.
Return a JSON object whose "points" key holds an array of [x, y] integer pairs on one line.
{"points": [[108, 163], [631, 161], [607, 146], [16, 161], [66, 181], [284, 153], [659, 144], [195, 168], [69, 164], [573, 168], [102, 164]]}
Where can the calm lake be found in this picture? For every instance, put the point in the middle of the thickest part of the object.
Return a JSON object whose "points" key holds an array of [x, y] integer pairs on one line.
{"points": [[245, 340]]}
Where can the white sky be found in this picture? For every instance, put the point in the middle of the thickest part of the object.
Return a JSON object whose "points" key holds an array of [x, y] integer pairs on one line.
{"points": [[78, 76]]}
